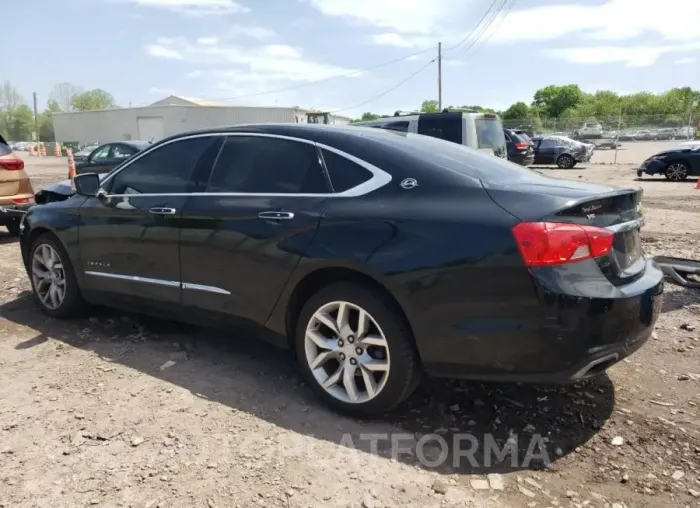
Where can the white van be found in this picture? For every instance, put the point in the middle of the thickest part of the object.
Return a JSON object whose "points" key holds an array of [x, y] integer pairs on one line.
{"points": [[480, 131]]}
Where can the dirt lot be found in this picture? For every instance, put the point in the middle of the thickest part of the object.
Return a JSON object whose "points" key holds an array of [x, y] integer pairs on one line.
{"points": [[121, 410]]}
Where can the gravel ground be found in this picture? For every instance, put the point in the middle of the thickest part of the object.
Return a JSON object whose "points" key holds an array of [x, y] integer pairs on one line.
{"points": [[122, 410]]}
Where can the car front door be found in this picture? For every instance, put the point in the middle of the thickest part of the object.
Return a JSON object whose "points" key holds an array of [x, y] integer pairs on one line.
{"points": [[547, 151], [129, 236], [241, 240], [97, 161]]}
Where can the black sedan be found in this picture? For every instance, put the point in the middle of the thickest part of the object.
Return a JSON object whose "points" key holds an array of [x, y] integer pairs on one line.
{"points": [[374, 256], [105, 157], [676, 164], [562, 151]]}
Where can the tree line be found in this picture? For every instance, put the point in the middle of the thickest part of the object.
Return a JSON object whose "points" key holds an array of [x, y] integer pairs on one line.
{"points": [[570, 105], [17, 116]]}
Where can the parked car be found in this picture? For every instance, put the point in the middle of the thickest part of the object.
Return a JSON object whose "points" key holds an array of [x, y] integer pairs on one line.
{"points": [[643, 135], [480, 131], [590, 130], [82, 154], [105, 157], [562, 151], [355, 247], [626, 136], [666, 134], [676, 164], [519, 147], [15, 186]]}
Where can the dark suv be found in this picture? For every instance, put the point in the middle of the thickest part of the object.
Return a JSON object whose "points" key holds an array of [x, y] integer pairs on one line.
{"points": [[519, 147]]}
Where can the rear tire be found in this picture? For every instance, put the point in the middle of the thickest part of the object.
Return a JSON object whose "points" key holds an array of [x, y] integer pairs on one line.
{"points": [[565, 161], [676, 172], [13, 227], [359, 371], [53, 278]]}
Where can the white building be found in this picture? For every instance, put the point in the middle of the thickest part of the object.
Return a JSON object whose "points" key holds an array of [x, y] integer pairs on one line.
{"points": [[166, 117]]}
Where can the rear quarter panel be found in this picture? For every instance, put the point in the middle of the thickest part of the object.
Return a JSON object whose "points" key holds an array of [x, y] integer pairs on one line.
{"points": [[449, 260]]}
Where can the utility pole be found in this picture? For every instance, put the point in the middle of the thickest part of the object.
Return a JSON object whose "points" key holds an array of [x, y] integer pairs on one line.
{"points": [[439, 76], [619, 126], [36, 121]]}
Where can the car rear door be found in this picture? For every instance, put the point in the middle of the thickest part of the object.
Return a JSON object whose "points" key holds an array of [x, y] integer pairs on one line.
{"points": [[244, 236], [129, 237]]}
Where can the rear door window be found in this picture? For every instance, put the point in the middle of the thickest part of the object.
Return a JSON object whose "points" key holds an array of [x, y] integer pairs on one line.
{"points": [[4, 147], [262, 165], [344, 173], [444, 127]]}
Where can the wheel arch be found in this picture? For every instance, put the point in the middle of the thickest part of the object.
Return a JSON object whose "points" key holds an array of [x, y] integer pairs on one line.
{"points": [[321, 277]]}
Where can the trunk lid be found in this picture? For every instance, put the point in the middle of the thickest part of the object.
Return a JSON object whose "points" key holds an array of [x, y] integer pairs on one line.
{"points": [[568, 201]]}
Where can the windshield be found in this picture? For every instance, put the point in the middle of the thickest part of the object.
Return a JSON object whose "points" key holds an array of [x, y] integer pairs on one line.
{"points": [[489, 133]]}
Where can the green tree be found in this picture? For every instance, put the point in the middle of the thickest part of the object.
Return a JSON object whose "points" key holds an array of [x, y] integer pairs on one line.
{"points": [[429, 106], [22, 123], [10, 101], [554, 99], [517, 111], [367, 116], [93, 99]]}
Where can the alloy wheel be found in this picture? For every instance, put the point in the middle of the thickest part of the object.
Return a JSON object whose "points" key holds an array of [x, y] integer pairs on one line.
{"points": [[347, 352], [676, 172], [48, 276]]}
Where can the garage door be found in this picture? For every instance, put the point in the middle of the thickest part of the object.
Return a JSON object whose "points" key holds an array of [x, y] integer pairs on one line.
{"points": [[150, 128]]}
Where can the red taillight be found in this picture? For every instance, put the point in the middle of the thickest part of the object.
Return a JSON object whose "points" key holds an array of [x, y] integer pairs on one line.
{"points": [[521, 146], [553, 243], [12, 164]]}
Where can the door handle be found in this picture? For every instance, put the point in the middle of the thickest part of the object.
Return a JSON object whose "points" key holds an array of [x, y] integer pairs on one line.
{"points": [[276, 215], [162, 211]]}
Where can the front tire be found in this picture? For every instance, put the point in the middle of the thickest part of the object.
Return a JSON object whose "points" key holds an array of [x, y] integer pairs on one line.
{"points": [[676, 172], [53, 278], [356, 350], [565, 161]]}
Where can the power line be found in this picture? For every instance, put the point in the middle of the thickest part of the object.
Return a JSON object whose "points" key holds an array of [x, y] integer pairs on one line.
{"points": [[411, 76], [486, 25], [450, 48], [338, 76], [495, 29]]}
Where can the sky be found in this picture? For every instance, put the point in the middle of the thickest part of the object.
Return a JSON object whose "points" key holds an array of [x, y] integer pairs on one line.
{"points": [[349, 55]]}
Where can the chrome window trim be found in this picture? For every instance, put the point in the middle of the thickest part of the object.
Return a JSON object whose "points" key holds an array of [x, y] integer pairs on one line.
{"points": [[379, 179], [160, 282]]}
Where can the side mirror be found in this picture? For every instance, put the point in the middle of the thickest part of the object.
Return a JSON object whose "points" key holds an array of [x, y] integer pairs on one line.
{"points": [[87, 184]]}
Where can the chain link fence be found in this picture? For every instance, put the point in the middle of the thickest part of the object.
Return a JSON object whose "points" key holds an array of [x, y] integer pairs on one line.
{"points": [[624, 128]]}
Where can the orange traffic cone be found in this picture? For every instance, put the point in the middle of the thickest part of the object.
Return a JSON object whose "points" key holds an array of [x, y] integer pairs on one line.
{"points": [[31, 150], [71, 163], [697, 185], [42, 149], [57, 150]]}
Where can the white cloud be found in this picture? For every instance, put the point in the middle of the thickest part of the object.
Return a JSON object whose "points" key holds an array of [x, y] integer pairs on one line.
{"points": [[421, 23], [239, 69], [686, 61], [632, 56], [161, 91], [615, 20], [254, 32], [196, 8]]}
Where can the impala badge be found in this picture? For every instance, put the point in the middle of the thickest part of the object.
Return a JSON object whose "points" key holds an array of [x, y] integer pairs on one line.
{"points": [[409, 183]]}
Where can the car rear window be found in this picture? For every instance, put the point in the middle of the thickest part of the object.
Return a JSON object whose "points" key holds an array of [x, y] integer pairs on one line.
{"points": [[489, 132], [460, 159], [4, 147]]}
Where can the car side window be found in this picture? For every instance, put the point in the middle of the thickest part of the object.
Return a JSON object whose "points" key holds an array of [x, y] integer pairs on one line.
{"points": [[266, 165], [396, 126], [101, 153], [343, 172], [122, 152], [165, 170], [548, 143]]}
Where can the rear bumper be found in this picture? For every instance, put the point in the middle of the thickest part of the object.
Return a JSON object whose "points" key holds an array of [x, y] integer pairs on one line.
{"points": [[573, 333], [522, 159]]}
